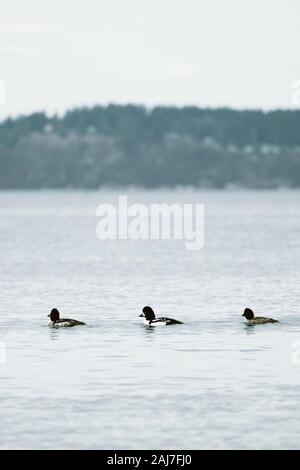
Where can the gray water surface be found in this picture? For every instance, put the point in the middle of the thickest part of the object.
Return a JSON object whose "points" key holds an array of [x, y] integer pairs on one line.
{"points": [[210, 383]]}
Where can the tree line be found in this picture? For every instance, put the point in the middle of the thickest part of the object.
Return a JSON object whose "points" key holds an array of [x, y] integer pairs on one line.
{"points": [[114, 146]]}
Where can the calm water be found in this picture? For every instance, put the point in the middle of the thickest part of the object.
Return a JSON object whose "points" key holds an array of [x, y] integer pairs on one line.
{"points": [[210, 383]]}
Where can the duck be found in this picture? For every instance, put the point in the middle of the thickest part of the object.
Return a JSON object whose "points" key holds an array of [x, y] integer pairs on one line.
{"points": [[151, 320], [253, 320], [57, 322]]}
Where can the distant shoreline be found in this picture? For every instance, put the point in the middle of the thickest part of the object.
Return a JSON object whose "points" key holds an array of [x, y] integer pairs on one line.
{"points": [[129, 146], [129, 190]]}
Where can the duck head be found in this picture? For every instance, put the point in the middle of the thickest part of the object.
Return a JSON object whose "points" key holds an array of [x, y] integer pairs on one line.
{"points": [[148, 313], [54, 315], [248, 314]]}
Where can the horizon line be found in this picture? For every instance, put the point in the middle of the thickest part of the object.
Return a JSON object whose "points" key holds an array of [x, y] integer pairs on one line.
{"points": [[61, 114]]}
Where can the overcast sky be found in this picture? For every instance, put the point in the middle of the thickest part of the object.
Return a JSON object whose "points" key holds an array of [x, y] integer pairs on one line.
{"points": [[56, 54]]}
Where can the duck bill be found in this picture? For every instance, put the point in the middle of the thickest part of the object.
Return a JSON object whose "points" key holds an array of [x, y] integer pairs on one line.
{"points": [[141, 315]]}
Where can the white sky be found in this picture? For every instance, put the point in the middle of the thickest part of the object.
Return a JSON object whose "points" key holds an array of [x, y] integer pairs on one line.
{"points": [[56, 54]]}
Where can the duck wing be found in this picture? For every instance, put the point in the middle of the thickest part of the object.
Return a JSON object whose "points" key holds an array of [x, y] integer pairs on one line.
{"points": [[169, 321], [265, 320], [70, 321]]}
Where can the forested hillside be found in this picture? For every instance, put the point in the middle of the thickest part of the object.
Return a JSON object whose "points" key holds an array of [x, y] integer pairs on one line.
{"points": [[130, 145]]}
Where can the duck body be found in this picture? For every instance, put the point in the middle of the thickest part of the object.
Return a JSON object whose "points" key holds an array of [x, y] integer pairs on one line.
{"points": [[163, 321], [64, 323], [261, 321], [253, 320], [151, 320], [57, 322]]}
